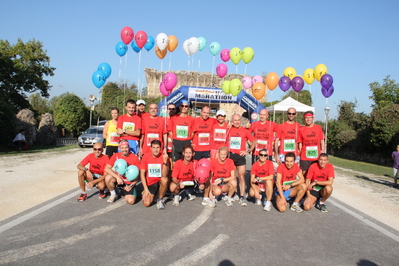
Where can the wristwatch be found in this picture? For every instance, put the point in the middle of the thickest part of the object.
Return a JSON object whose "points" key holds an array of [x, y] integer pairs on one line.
{"points": [[124, 131]]}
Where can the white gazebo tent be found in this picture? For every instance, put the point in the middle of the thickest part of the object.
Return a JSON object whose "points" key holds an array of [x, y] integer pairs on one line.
{"points": [[283, 106]]}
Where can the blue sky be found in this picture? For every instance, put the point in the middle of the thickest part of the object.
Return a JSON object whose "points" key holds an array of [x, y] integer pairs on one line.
{"points": [[357, 40]]}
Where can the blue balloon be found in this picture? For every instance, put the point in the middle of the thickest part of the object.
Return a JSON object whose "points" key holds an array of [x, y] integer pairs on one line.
{"points": [[121, 48], [98, 78], [202, 43], [132, 172], [135, 47], [150, 43], [120, 166], [214, 48], [106, 68]]}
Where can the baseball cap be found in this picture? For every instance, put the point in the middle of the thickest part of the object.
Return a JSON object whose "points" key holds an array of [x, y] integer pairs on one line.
{"points": [[221, 112], [140, 102], [184, 102]]}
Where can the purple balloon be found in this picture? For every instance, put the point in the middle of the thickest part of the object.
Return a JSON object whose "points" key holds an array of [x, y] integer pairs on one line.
{"points": [[297, 84], [284, 83], [327, 92], [326, 81]]}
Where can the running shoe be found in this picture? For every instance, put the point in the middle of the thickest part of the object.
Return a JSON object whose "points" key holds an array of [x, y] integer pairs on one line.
{"points": [[229, 202], [243, 202], [208, 202], [268, 206], [160, 204], [323, 208], [82, 197], [102, 195], [224, 197], [112, 198], [235, 198], [176, 200], [296, 208], [191, 197], [258, 202]]}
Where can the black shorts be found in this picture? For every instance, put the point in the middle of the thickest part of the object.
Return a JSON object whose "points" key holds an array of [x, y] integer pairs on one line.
{"points": [[110, 150], [305, 164], [170, 155], [237, 159], [202, 154], [154, 188], [131, 192], [315, 193], [177, 149]]}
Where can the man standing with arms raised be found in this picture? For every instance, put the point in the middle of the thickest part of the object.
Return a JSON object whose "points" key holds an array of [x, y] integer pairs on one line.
{"points": [[201, 134], [129, 127]]}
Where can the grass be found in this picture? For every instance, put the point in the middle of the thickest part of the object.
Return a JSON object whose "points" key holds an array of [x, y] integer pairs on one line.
{"points": [[361, 166], [37, 149]]}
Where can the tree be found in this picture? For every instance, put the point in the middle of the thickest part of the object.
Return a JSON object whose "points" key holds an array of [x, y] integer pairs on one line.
{"points": [[385, 94], [52, 103], [385, 127], [7, 123], [39, 105], [23, 67], [304, 96], [71, 114]]}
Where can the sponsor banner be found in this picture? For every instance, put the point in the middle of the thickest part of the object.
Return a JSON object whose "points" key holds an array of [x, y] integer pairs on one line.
{"points": [[210, 94]]}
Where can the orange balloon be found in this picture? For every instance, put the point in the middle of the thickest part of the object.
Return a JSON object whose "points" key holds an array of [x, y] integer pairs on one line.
{"points": [[272, 80], [159, 53], [172, 43], [258, 90]]}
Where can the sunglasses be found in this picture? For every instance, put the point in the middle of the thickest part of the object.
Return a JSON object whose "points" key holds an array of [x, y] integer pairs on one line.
{"points": [[171, 109], [291, 113], [95, 149], [263, 154], [184, 106]]}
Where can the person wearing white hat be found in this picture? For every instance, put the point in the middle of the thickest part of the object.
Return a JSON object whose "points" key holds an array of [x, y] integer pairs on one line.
{"points": [[218, 133], [141, 109]]}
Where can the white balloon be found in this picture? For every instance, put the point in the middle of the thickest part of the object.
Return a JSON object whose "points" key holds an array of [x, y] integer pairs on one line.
{"points": [[186, 47], [193, 45], [162, 41]]}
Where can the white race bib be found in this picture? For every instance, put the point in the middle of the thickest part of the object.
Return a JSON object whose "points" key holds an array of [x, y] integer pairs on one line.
{"points": [[203, 138], [235, 143], [289, 145], [181, 132], [312, 152], [155, 170]]}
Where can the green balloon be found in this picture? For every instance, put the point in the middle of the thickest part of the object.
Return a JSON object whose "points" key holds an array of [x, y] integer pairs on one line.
{"points": [[235, 55], [247, 55], [226, 86], [235, 87]]}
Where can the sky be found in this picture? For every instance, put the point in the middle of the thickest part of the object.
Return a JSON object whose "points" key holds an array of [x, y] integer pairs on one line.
{"points": [[357, 40]]}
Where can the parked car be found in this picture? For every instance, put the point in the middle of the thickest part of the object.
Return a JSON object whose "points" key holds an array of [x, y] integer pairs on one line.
{"points": [[102, 122], [90, 136]]}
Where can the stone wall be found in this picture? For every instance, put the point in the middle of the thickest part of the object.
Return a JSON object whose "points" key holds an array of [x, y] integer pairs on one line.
{"points": [[25, 119]]}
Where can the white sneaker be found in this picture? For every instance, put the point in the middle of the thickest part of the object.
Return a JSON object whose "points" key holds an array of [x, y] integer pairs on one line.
{"points": [[208, 202], [243, 202], [191, 197], [229, 202], [160, 205], [112, 198], [258, 202], [225, 197], [176, 200], [235, 198], [268, 206]]}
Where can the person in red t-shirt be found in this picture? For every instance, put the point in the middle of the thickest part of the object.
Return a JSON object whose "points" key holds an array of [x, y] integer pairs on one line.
{"points": [[218, 133], [94, 175], [129, 127], [112, 179], [201, 134], [262, 174], [319, 182], [171, 113], [154, 175], [141, 110], [287, 136], [237, 140], [287, 184]]}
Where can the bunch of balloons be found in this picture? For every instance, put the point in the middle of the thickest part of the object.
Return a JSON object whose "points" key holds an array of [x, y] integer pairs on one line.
{"points": [[201, 173], [233, 87], [236, 55], [100, 76], [168, 84], [327, 89]]}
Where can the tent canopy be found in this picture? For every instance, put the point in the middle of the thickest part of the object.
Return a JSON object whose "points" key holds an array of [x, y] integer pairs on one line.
{"points": [[283, 106]]}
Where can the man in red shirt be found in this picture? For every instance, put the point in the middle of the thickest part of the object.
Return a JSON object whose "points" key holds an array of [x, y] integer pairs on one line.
{"points": [[171, 112], [141, 110], [237, 140], [311, 142], [287, 136], [319, 182], [94, 175], [154, 175], [218, 133], [127, 187], [129, 127], [201, 134]]}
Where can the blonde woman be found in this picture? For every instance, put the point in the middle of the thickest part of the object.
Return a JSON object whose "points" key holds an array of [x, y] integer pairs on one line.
{"points": [[110, 135]]}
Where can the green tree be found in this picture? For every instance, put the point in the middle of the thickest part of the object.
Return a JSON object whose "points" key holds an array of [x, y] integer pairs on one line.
{"points": [[71, 114], [52, 103], [385, 94], [304, 96], [385, 127], [39, 105], [7, 123], [348, 116]]}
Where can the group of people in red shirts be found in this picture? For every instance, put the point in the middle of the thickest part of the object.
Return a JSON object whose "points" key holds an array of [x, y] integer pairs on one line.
{"points": [[167, 151]]}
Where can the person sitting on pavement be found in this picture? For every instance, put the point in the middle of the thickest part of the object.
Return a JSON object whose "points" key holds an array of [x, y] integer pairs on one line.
{"points": [[95, 174], [20, 140]]}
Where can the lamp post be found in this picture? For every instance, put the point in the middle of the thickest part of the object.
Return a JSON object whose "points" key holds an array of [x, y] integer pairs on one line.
{"points": [[92, 99], [326, 111]]}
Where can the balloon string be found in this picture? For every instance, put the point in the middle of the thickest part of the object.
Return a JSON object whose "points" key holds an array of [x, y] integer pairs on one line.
{"points": [[170, 60], [236, 69], [310, 88], [245, 69], [138, 75], [188, 63], [213, 64], [192, 62]]}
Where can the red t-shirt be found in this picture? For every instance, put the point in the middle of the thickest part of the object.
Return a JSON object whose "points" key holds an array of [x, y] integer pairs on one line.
{"points": [[310, 138], [168, 129], [218, 136], [264, 134], [202, 133], [288, 174], [153, 128], [97, 166], [288, 135], [153, 167], [143, 115], [184, 172], [222, 170], [129, 123], [237, 139], [181, 127], [131, 159], [262, 170], [319, 174]]}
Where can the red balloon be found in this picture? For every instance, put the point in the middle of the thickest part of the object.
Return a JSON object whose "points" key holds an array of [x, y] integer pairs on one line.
{"points": [[201, 174], [205, 162], [140, 38], [127, 35]]}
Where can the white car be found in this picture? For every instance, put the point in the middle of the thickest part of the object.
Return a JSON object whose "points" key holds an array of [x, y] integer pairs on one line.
{"points": [[91, 136]]}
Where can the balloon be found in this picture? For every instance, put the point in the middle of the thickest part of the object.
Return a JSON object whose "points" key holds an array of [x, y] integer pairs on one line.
{"points": [[205, 163], [284, 83], [308, 76], [225, 55], [226, 86], [246, 82], [163, 90], [193, 45], [258, 90], [327, 92], [297, 83], [120, 166], [290, 72], [247, 55], [141, 39], [185, 47], [121, 48], [202, 43], [214, 48], [326, 81], [162, 41], [150, 43], [272, 80], [235, 87], [221, 70], [172, 43], [159, 53], [235, 55], [201, 174], [135, 47], [257, 79], [98, 78], [106, 68], [127, 35], [170, 81], [132, 172], [319, 71]]}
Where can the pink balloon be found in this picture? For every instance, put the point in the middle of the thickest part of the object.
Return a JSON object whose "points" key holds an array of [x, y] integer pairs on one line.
{"points": [[127, 35], [163, 90], [257, 79], [221, 70], [170, 81], [225, 55], [140, 38], [201, 174], [205, 163], [246, 82]]}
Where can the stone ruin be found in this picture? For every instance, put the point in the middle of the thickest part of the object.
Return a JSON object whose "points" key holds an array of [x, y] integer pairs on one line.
{"points": [[46, 133], [25, 119]]}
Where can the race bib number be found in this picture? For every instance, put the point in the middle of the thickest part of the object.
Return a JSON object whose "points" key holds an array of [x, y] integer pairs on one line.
{"points": [[154, 170], [261, 144], [170, 144], [288, 182], [289, 145], [151, 137], [181, 132], [188, 183], [311, 152], [220, 135], [235, 143], [317, 187], [203, 138], [128, 126], [114, 138]]}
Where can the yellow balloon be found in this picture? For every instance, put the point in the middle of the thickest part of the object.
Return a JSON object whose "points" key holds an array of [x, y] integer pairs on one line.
{"points": [[308, 76], [247, 55], [289, 72], [319, 71], [235, 55], [226, 86]]}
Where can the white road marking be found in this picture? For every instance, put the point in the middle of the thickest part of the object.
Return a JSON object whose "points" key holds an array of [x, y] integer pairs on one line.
{"points": [[202, 252], [14, 255], [365, 220]]}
